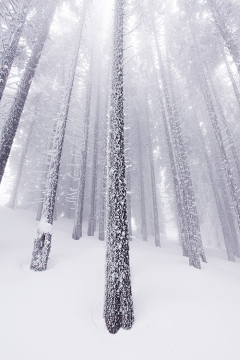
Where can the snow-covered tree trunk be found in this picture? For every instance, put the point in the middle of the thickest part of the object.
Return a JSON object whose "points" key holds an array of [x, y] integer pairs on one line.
{"points": [[224, 120], [118, 307], [78, 218], [193, 241], [42, 243], [103, 195], [233, 82], [10, 51], [142, 184], [153, 183], [92, 212], [224, 31], [128, 180], [14, 192], [11, 125], [222, 218], [233, 188]]}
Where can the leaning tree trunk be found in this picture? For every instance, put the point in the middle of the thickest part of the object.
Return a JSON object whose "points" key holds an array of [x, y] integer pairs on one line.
{"points": [[233, 188], [224, 120], [10, 51], [92, 212], [118, 307], [14, 192], [227, 36], [193, 242], [78, 218], [11, 125], [42, 243], [233, 82]]}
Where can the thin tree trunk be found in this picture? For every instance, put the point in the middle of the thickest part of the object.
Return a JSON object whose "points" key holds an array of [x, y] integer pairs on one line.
{"points": [[233, 82], [222, 218], [11, 125], [153, 183], [14, 192], [92, 212], [42, 243], [142, 185], [78, 218], [10, 51]]}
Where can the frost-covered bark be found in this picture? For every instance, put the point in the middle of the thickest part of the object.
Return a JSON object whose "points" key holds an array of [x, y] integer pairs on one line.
{"points": [[103, 195], [11, 125], [224, 31], [42, 243], [10, 50], [78, 218], [92, 212], [128, 181], [118, 307]]}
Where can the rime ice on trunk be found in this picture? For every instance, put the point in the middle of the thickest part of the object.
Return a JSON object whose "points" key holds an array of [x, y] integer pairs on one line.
{"points": [[128, 181], [118, 307], [92, 212], [10, 51], [42, 243], [11, 125], [78, 218]]}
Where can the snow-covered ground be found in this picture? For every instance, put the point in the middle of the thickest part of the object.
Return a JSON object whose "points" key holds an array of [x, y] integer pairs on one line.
{"points": [[180, 313]]}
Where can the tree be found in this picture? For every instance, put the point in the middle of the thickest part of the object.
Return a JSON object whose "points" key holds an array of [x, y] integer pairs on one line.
{"points": [[42, 243], [118, 307], [11, 48], [11, 125]]}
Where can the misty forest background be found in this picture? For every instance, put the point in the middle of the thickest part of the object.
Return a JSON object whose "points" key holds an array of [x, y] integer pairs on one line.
{"points": [[181, 106]]}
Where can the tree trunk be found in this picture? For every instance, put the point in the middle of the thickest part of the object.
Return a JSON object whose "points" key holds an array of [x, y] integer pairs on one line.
{"points": [[78, 218], [118, 307], [227, 36], [10, 51], [153, 183], [14, 192], [92, 212], [11, 125], [233, 188], [142, 185], [233, 82], [42, 243], [193, 242]]}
